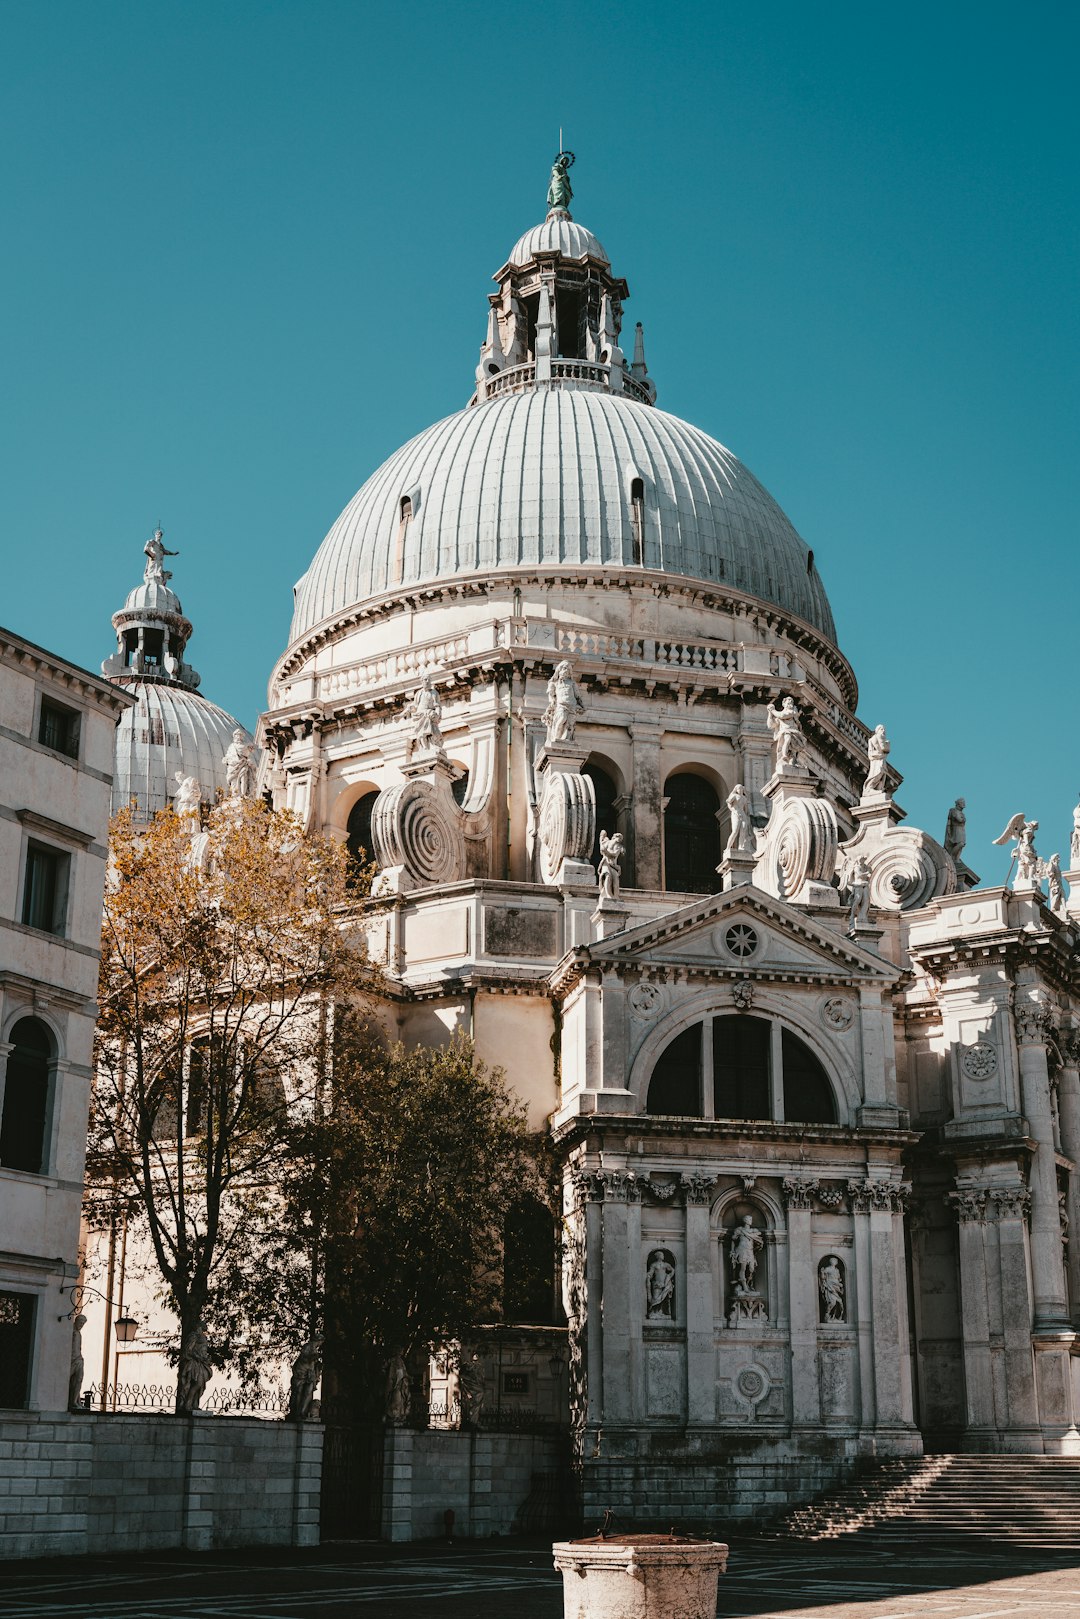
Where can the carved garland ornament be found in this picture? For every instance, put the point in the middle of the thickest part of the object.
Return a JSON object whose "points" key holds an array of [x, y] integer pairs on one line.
{"points": [[414, 827], [567, 822]]}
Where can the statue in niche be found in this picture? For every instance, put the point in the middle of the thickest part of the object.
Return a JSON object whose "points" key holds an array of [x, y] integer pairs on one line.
{"points": [[155, 551], [472, 1389], [1051, 870], [786, 727], [559, 188], [78, 1364], [193, 1371], [1074, 842], [858, 884], [564, 704], [239, 762], [956, 829], [425, 717], [398, 1396], [745, 1242], [831, 1289], [660, 1286], [1024, 855], [741, 837], [611, 852], [878, 748], [305, 1375]]}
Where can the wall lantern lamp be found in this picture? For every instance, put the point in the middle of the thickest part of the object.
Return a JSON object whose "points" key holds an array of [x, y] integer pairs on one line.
{"points": [[125, 1326]]}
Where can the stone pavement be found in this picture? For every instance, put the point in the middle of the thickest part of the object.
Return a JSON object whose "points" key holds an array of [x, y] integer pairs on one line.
{"points": [[515, 1580]]}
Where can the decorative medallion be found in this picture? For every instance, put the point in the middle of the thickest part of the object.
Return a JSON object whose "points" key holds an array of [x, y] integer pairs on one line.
{"points": [[752, 1384], [646, 1000], [742, 993], [979, 1060], [741, 941], [837, 1014]]}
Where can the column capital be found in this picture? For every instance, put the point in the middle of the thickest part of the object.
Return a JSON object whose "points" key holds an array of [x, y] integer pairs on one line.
{"points": [[698, 1187], [968, 1202], [799, 1192], [882, 1196]]}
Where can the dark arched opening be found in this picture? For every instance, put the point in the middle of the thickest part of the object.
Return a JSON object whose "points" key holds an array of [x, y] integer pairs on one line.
{"points": [[607, 816], [808, 1096], [691, 836], [358, 830], [529, 1263], [675, 1086], [26, 1097], [741, 1068]]}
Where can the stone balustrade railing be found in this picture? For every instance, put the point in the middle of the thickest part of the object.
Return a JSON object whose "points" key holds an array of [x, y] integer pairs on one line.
{"points": [[573, 373]]}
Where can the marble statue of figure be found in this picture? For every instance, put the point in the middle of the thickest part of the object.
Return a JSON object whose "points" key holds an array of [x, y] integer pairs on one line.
{"points": [[559, 190], [611, 853], [859, 893], [1051, 870], [660, 1287], [878, 748], [187, 797], [425, 717], [78, 1364], [1024, 855], [741, 837], [305, 1375], [1074, 843], [564, 704], [831, 1283], [745, 1242], [956, 829], [472, 1389], [239, 762], [398, 1397], [785, 725], [193, 1371], [156, 553]]}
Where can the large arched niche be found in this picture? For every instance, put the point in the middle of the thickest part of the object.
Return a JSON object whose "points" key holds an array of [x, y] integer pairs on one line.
{"points": [[343, 804], [694, 798], [836, 1063], [609, 786]]}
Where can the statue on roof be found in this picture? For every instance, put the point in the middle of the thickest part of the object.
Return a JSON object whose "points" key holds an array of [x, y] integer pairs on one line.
{"points": [[784, 724], [156, 552], [1024, 856], [559, 188]]}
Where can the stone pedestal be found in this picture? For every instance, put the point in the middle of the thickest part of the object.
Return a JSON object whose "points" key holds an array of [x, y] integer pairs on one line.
{"points": [[737, 868], [609, 917], [640, 1577]]}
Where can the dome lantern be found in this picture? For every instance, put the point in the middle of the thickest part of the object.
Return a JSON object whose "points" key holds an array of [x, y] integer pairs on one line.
{"points": [[151, 630]]}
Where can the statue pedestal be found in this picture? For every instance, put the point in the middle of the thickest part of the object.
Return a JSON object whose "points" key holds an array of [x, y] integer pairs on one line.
{"points": [[877, 809], [790, 783], [561, 759], [433, 763], [609, 917], [746, 1306], [737, 868]]}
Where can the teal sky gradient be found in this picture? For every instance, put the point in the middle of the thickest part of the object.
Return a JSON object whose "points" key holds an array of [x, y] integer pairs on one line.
{"points": [[248, 247]]}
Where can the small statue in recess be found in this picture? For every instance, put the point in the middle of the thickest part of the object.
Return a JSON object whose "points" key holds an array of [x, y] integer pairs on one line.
{"points": [[1074, 843], [398, 1397], [858, 893], [559, 189], [564, 704], [425, 716], [660, 1287], [156, 552], [472, 1389], [193, 1371], [956, 829], [1024, 855], [745, 1242], [878, 748], [305, 1375], [785, 725], [78, 1364], [611, 853], [1051, 870], [741, 837], [239, 762], [831, 1287]]}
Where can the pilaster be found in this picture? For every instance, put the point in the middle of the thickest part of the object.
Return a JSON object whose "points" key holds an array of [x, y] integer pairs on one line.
{"points": [[802, 1304], [700, 1313]]}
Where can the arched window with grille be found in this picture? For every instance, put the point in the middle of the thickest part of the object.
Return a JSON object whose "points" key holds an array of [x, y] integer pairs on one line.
{"points": [[691, 836], [734, 1066]]}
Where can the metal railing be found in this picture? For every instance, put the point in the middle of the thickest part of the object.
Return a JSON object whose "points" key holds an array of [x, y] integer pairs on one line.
{"points": [[151, 1398]]}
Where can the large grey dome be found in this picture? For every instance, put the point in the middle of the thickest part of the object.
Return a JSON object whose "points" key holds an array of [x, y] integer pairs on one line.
{"points": [[169, 729], [543, 479]]}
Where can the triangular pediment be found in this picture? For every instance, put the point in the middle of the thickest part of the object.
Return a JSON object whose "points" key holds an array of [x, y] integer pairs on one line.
{"points": [[744, 929]]}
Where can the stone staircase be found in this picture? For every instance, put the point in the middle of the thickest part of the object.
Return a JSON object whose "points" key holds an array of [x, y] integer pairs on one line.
{"points": [[1031, 1501]]}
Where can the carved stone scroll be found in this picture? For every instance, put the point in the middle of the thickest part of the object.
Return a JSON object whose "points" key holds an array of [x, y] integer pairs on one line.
{"points": [[567, 824], [416, 830]]}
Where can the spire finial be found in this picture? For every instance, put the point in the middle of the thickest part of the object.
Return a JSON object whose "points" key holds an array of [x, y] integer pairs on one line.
{"points": [[559, 188]]}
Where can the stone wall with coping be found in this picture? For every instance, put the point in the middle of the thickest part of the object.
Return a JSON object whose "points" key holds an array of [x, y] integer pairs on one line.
{"points": [[81, 1482], [486, 1479]]}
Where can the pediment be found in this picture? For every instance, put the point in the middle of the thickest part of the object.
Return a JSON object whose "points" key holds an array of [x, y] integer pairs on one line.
{"points": [[744, 930]]}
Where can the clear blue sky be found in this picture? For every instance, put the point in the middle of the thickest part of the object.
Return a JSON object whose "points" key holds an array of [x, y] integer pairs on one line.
{"points": [[248, 246]]}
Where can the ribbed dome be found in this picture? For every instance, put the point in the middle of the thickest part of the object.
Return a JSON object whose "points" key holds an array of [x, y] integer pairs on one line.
{"points": [[542, 479], [151, 596], [558, 234], [169, 729]]}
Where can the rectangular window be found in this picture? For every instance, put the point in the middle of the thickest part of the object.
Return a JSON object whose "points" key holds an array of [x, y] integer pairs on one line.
{"points": [[16, 1348], [46, 891], [58, 728], [515, 1383]]}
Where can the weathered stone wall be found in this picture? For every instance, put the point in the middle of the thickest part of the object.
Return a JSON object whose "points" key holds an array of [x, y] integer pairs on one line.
{"points": [[488, 1480], [93, 1482]]}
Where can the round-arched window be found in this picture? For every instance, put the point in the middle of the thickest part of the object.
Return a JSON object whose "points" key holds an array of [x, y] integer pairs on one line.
{"points": [[607, 817], [26, 1097], [735, 1067], [691, 836], [358, 829]]}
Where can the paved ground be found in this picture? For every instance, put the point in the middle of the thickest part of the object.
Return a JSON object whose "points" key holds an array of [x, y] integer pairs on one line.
{"points": [[516, 1581]]}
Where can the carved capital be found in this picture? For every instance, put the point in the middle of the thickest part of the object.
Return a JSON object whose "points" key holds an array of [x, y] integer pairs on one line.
{"points": [[968, 1202], [698, 1187], [1032, 1023], [619, 1186], [1010, 1202], [886, 1196], [799, 1192], [588, 1186]]}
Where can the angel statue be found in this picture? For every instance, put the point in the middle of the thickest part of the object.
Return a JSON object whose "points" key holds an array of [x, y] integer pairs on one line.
{"points": [[559, 190], [1024, 855], [611, 851], [785, 726]]}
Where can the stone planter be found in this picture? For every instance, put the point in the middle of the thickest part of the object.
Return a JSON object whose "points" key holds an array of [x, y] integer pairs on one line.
{"points": [[640, 1577]]}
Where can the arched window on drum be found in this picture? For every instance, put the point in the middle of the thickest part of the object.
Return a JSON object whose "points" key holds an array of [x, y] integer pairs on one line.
{"points": [[606, 792], [358, 830], [691, 835], [738, 1067]]}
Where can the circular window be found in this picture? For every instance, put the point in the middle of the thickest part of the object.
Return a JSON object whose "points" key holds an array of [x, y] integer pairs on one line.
{"points": [[741, 940]]}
